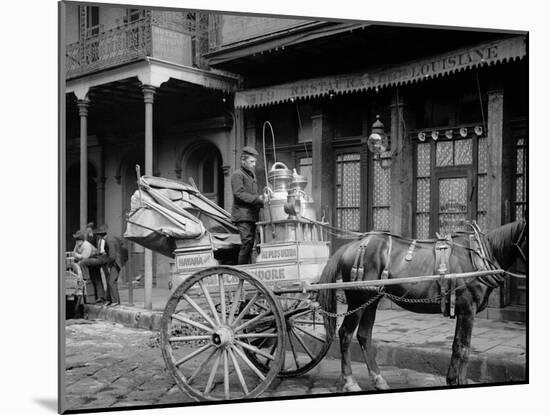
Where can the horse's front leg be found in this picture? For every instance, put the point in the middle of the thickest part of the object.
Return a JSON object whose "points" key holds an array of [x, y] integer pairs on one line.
{"points": [[457, 372], [346, 333]]}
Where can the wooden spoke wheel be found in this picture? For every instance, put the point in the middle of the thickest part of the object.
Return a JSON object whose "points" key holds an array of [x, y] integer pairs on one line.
{"points": [[309, 335], [208, 333]]}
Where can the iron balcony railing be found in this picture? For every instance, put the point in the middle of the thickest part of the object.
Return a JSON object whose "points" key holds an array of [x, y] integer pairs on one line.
{"points": [[133, 41], [109, 48]]}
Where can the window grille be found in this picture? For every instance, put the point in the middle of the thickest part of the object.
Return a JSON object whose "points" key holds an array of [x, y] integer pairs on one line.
{"points": [[423, 167], [520, 194], [348, 191], [482, 157], [453, 153], [381, 218]]}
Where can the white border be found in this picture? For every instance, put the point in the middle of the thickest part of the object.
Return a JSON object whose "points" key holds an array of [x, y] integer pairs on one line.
{"points": [[29, 168]]}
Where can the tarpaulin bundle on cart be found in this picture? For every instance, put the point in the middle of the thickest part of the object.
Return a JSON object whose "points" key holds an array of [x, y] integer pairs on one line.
{"points": [[167, 213]]}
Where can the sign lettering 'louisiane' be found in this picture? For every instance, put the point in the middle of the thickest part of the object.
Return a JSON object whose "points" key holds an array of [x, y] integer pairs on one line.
{"points": [[483, 54]]}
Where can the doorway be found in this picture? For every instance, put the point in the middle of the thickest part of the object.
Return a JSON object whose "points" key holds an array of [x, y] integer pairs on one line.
{"points": [[202, 166]]}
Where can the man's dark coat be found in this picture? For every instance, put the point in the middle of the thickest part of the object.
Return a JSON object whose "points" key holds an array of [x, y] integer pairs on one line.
{"points": [[246, 200]]}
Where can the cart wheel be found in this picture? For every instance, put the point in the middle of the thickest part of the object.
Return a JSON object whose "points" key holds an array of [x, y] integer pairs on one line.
{"points": [[208, 330], [309, 336]]}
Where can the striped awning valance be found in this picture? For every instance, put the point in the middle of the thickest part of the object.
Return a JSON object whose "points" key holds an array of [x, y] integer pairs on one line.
{"points": [[488, 53]]}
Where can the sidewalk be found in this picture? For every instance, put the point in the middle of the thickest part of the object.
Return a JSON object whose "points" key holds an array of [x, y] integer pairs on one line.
{"points": [[419, 342]]}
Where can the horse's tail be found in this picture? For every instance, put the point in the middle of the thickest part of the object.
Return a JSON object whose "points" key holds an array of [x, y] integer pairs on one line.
{"points": [[327, 298]]}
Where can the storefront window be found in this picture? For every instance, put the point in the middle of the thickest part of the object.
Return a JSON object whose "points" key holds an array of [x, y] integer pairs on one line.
{"points": [[423, 190], [348, 191], [482, 183], [520, 182], [453, 205]]}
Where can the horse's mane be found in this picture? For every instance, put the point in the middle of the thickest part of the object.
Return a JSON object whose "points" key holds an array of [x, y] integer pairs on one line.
{"points": [[502, 238]]}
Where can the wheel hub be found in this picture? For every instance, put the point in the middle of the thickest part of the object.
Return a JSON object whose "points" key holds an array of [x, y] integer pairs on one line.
{"points": [[222, 336]]}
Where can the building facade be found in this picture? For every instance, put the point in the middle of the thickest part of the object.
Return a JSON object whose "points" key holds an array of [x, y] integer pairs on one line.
{"points": [[453, 104]]}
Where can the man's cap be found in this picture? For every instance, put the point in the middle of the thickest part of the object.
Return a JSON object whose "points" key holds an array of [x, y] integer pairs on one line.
{"points": [[79, 235], [102, 230], [90, 225], [250, 151]]}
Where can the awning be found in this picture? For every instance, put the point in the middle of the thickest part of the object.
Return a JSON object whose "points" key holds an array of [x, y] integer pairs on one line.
{"points": [[292, 36], [488, 53]]}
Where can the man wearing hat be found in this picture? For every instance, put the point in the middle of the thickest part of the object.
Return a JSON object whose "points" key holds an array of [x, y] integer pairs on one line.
{"points": [[246, 202], [82, 249], [111, 259]]}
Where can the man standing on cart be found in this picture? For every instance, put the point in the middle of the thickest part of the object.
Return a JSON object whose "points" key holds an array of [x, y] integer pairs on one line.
{"points": [[246, 202]]}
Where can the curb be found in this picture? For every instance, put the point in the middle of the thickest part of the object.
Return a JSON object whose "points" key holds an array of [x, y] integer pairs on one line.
{"points": [[127, 316], [482, 368]]}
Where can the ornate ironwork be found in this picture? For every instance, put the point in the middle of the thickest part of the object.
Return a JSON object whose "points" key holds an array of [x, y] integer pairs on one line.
{"points": [[109, 48], [133, 41]]}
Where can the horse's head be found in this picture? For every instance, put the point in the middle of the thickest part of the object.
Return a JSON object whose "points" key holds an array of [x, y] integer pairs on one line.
{"points": [[509, 242], [521, 242]]}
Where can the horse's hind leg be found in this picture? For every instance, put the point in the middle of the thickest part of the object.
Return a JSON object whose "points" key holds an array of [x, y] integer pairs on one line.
{"points": [[457, 373], [364, 336], [346, 333]]}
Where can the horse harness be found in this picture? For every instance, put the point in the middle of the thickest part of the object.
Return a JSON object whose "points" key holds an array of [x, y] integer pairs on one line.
{"points": [[479, 256]]}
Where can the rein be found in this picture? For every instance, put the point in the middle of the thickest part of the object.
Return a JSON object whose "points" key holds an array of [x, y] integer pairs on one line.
{"points": [[520, 239]]}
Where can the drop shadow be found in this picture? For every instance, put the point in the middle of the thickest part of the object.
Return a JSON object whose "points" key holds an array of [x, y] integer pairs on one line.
{"points": [[48, 403]]}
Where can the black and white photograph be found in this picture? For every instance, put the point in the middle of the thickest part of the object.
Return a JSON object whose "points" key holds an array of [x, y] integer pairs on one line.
{"points": [[266, 206]]}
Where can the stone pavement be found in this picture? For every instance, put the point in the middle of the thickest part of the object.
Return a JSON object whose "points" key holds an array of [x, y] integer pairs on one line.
{"points": [[109, 365], [407, 340]]}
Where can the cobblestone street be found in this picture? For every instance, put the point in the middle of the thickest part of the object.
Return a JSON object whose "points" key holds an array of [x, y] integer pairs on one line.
{"points": [[109, 365]]}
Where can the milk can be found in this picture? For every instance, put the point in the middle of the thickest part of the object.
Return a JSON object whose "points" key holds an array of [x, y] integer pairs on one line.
{"points": [[279, 178]]}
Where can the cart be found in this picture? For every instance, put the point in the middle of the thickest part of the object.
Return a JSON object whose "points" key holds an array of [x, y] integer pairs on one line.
{"points": [[75, 287], [228, 331]]}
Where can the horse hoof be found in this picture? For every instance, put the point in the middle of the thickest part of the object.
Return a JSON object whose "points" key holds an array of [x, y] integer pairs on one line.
{"points": [[351, 386], [380, 383]]}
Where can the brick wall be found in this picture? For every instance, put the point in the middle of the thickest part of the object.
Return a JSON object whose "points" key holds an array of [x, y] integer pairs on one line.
{"points": [[238, 28]]}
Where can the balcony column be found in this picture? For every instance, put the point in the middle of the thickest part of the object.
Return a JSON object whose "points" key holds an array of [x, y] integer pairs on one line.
{"points": [[83, 112], [148, 95]]}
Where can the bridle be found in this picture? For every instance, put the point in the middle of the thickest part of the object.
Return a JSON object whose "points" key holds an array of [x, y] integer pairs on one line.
{"points": [[520, 240]]}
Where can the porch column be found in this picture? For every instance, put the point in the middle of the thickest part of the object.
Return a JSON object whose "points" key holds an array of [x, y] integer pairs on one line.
{"points": [[401, 169], [148, 94], [83, 112], [322, 165], [495, 129], [101, 179], [232, 160]]}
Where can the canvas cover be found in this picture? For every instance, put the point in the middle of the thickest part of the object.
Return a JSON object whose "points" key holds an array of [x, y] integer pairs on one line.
{"points": [[165, 212]]}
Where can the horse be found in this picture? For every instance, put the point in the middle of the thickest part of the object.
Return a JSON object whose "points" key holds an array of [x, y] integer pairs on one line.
{"points": [[390, 256]]}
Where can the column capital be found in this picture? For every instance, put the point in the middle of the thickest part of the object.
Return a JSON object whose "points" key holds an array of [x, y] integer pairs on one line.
{"points": [[148, 93], [83, 105]]}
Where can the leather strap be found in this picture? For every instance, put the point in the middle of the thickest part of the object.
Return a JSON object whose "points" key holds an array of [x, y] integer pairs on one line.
{"points": [[442, 255], [409, 255], [386, 273], [357, 271]]}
